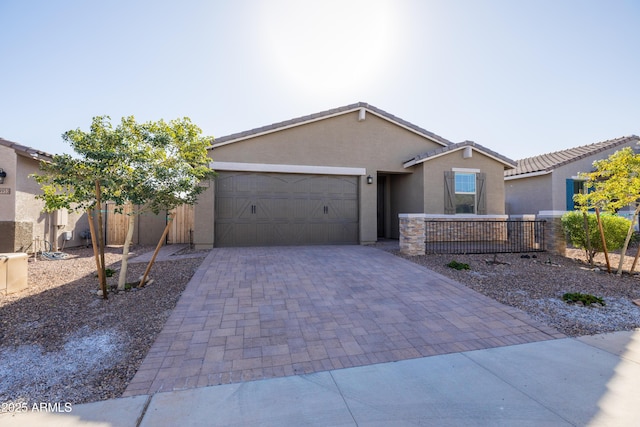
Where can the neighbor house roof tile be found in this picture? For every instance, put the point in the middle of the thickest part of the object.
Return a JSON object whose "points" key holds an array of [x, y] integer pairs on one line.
{"points": [[550, 161], [26, 151]]}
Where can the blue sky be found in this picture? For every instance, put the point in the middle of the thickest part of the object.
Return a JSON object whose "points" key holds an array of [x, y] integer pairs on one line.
{"points": [[520, 77]]}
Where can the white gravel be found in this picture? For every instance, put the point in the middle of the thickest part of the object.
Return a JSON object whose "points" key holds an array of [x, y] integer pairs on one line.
{"points": [[60, 342], [29, 370]]}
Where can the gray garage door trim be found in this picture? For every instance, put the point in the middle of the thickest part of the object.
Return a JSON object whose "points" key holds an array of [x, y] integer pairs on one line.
{"points": [[275, 209]]}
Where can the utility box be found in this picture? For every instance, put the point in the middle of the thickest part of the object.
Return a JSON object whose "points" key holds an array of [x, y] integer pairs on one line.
{"points": [[13, 272], [61, 218]]}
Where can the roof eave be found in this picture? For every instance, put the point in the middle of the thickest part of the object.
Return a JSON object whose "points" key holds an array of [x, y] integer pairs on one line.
{"points": [[28, 152]]}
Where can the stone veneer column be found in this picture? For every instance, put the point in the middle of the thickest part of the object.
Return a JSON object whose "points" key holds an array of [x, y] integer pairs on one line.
{"points": [[412, 234], [554, 237]]}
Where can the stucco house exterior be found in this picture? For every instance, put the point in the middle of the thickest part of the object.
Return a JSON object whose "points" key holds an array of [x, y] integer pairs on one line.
{"points": [[22, 221], [341, 176], [547, 183]]}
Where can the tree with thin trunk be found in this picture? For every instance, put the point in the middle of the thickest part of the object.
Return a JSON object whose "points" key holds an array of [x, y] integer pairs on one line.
{"points": [[84, 181], [155, 165], [614, 184], [167, 164]]}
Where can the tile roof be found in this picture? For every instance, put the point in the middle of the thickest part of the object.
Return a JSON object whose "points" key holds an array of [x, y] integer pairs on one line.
{"points": [[326, 114], [508, 163], [549, 161], [26, 151]]}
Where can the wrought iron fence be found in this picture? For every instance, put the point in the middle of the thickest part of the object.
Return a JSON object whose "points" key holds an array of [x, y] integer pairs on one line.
{"points": [[479, 236]]}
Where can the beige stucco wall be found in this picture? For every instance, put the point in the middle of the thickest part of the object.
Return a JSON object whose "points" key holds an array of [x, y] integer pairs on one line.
{"points": [[28, 208], [342, 141], [22, 207], [528, 196], [374, 144], [8, 201], [434, 180]]}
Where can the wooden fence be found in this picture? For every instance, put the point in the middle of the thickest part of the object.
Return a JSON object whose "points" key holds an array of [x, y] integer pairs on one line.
{"points": [[182, 225], [116, 224]]}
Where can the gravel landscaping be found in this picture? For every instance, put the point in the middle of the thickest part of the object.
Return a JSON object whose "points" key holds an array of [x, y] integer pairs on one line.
{"points": [[60, 342], [535, 283]]}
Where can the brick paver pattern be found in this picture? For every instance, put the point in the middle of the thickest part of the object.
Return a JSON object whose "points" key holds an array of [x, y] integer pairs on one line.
{"points": [[255, 313]]}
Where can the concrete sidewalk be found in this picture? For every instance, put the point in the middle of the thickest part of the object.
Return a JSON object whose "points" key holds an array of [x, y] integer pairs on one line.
{"points": [[565, 382]]}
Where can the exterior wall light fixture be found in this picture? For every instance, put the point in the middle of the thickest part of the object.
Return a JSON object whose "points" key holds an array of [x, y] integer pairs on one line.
{"points": [[3, 175], [369, 179]]}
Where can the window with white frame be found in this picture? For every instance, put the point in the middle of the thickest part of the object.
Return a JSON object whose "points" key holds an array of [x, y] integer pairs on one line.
{"points": [[465, 192]]}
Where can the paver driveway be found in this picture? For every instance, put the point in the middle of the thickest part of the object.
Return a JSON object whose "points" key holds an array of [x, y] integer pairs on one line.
{"points": [[253, 313]]}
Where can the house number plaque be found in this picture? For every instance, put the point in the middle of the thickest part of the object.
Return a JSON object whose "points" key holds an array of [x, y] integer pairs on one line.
{"points": [[5, 191]]}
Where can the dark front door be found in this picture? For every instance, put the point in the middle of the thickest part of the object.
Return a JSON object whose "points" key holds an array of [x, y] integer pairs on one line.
{"points": [[382, 184]]}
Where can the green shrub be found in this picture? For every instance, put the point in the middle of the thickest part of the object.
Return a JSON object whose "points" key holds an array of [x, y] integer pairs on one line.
{"points": [[458, 265], [615, 231], [108, 272], [586, 299]]}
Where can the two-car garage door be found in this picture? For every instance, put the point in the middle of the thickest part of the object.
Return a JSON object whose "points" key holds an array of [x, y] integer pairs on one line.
{"points": [[269, 209]]}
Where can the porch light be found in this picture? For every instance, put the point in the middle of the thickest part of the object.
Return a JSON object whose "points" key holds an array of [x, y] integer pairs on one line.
{"points": [[3, 175], [369, 179]]}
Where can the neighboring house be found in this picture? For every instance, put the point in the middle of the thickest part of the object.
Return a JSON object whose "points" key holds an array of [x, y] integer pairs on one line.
{"points": [[22, 221], [341, 176], [548, 182]]}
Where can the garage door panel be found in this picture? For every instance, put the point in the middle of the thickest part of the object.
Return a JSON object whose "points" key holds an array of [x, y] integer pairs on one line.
{"points": [[238, 234], [243, 184], [306, 209], [225, 184], [269, 185], [274, 209], [303, 185], [238, 208], [342, 233], [342, 187], [268, 234], [343, 210], [285, 209]]}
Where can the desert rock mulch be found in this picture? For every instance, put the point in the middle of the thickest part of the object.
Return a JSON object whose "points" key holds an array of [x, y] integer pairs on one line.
{"points": [[61, 342], [536, 283]]}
